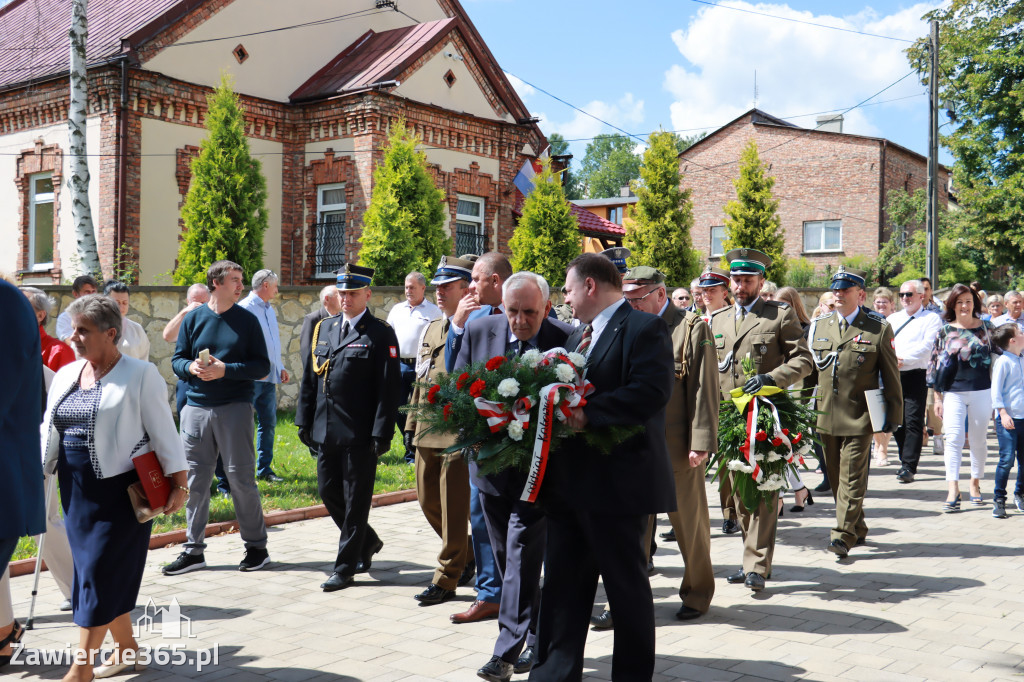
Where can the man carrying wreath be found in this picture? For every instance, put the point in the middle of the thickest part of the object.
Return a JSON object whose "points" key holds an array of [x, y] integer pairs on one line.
{"points": [[516, 528], [769, 333]]}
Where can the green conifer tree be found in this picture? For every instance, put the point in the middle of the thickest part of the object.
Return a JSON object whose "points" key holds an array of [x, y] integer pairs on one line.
{"points": [[658, 230], [752, 220], [225, 212], [547, 237], [403, 228]]}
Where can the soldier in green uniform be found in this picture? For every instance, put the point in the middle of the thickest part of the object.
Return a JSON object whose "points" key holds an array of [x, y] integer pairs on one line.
{"points": [[770, 334], [442, 481], [853, 347]]}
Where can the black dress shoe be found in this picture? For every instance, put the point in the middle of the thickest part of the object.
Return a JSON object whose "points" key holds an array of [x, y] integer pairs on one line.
{"points": [[669, 535], [496, 670], [650, 566], [337, 582], [754, 582], [363, 565], [905, 476], [839, 548], [730, 527], [468, 573], [434, 595], [525, 662], [686, 613], [271, 478], [736, 578], [602, 622], [822, 487]]}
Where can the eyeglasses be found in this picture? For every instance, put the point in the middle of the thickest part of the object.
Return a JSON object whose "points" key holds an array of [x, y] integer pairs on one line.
{"points": [[907, 294], [631, 301], [682, 298]]}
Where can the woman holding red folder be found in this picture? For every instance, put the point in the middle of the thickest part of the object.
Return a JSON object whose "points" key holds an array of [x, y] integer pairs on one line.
{"points": [[102, 410]]}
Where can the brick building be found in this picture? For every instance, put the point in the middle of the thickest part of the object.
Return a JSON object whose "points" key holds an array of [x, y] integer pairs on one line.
{"points": [[832, 187], [319, 97]]}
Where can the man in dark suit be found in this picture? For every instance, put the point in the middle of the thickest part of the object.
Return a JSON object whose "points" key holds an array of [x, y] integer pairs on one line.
{"points": [[597, 505], [347, 408], [516, 529]]}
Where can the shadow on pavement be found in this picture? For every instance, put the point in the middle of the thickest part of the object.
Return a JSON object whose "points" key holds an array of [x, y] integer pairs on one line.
{"points": [[687, 668]]}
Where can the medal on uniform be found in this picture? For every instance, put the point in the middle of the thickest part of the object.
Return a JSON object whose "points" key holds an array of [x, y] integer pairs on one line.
{"points": [[860, 359]]}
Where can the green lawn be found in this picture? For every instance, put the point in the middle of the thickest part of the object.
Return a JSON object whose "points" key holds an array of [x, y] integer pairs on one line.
{"points": [[293, 463]]}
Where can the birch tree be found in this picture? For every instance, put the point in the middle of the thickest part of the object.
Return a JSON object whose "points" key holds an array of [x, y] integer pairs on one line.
{"points": [[78, 178]]}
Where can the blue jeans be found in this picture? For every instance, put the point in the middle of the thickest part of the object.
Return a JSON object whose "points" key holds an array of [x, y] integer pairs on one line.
{"points": [[488, 580], [264, 401], [1011, 446]]}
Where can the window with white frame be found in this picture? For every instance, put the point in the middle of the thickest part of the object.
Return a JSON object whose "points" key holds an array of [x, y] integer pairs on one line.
{"points": [[823, 235], [718, 237], [330, 228], [470, 232], [40, 221]]}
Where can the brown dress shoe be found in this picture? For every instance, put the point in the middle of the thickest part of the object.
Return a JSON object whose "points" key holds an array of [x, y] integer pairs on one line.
{"points": [[480, 610]]}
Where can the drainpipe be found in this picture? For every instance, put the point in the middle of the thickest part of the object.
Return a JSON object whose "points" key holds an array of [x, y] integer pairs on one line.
{"points": [[122, 137], [881, 195]]}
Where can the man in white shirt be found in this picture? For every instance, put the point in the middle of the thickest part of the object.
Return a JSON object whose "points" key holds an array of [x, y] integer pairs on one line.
{"points": [[915, 329], [1014, 301], [83, 285], [134, 342], [409, 318]]}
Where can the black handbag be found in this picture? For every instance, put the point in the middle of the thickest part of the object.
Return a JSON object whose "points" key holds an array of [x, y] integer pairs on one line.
{"points": [[945, 371]]}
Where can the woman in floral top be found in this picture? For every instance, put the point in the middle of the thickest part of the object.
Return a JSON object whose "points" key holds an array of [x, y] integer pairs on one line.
{"points": [[960, 375]]}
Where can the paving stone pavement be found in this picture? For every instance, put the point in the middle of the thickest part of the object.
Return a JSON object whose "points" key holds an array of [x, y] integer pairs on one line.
{"points": [[931, 596]]}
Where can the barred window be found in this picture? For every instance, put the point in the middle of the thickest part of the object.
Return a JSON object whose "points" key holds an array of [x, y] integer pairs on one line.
{"points": [[470, 232]]}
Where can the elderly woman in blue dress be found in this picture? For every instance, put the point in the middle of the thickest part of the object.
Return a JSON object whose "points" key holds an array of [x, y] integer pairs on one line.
{"points": [[100, 412]]}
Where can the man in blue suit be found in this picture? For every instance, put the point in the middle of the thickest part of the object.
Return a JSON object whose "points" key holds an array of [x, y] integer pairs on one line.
{"points": [[21, 407], [516, 528], [489, 273], [597, 504]]}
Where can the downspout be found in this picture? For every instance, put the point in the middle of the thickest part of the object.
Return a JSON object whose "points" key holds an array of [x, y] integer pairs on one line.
{"points": [[881, 196], [122, 136]]}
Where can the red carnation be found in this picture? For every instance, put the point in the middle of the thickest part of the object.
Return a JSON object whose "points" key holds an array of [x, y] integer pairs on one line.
{"points": [[447, 411], [495, 362], [432, 394], [461, 381], [797, 437], [776, 441], [785, 432], [761, 435], [476, 389]]}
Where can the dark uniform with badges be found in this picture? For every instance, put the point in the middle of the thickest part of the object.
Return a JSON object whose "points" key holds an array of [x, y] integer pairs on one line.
{"points": [[850, 358], [347, 406], [442, 481], [770, 334]]}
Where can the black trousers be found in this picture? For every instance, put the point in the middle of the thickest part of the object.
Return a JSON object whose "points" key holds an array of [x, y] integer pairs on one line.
{"points": [[408, 378], [345, 478], [517, 531], [910, 435], [582, 546]]}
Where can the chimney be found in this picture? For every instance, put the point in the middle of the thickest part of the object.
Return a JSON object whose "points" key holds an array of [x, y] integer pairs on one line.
{"points": [[831, 123], [625, 191]]}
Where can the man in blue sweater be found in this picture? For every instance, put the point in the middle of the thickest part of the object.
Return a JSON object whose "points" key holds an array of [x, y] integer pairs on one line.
{"points": [[220, 353]]}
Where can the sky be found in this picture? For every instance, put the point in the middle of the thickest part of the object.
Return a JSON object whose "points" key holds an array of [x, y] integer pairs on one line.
{"points": [[689, 65]]}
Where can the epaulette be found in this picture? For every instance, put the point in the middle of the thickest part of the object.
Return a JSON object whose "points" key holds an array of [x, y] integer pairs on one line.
{"points": [[825, 316], [781, 304], [722, 310], [874, 315]]}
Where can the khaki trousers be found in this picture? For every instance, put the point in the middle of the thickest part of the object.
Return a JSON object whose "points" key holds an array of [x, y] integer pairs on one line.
{"points": [[442, 487], [692, 525], [725, 497], [848, 459], [758, 532]]}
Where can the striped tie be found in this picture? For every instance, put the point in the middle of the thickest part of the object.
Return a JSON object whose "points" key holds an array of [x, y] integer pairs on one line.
{"points": [[843, 324], [584, 344]]}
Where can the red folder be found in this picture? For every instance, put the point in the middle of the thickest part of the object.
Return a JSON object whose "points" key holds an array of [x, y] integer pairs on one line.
{"points": [[151, 475]]}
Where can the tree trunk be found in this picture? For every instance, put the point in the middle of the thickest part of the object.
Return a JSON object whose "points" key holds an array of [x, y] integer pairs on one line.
{"points": [[78, 178]]}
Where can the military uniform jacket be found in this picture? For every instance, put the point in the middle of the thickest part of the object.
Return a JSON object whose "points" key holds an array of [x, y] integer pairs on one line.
{"points": [[357, 397], [430, 364], [691, 417], [771, 334], [849, 364]]}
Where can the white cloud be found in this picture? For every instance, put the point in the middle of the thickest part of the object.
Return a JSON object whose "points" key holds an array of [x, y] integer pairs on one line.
{"points": [[521, 88], [801, 69], [625, 113]]}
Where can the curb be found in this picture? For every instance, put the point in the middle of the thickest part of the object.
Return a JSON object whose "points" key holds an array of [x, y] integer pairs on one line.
{"points": [[275, 518]]}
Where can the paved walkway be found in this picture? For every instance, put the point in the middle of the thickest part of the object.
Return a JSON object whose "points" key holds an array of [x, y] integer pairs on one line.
{"points": [[931, 597]]}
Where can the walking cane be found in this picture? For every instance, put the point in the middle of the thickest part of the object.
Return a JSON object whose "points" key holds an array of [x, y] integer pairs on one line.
{"points": [[39, 557]]}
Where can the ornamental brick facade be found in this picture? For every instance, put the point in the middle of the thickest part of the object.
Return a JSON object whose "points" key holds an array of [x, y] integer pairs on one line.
{"points": [[819, 176]]}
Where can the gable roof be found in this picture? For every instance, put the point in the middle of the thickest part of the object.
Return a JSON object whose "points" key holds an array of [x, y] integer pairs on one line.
{"points": [[373, 58], [587, 223], [34, 35]]}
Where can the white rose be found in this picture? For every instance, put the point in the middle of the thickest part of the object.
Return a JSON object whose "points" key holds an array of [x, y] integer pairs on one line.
{"points": [[735, 465], [578, 359], [531, 357], [515, 429], [508, 388], [564, 372], [758, 456], [772, 456]]}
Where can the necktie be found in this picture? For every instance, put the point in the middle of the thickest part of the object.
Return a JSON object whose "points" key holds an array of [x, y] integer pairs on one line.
{"points": [[344, 329], [523, 347], [584, 345], [843, 324], [739, 319]]}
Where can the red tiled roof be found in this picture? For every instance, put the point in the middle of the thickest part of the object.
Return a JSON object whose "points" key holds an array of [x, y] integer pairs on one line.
{"points": [[587, 222], [373, 58], [34, 34]]}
